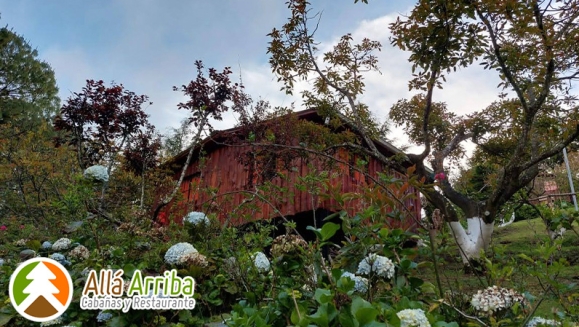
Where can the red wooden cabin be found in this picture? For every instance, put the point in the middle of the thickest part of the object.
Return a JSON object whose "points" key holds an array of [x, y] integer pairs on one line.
{"points": [[221, 183]]}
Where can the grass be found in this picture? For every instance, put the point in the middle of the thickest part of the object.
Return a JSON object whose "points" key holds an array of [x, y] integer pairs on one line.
{"points": [[523, 237]]}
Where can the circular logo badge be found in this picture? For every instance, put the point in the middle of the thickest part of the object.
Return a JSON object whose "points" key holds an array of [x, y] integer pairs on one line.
{"points": [[40, 289]]}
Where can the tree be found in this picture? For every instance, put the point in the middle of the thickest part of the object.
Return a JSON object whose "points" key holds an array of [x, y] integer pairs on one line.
{"points": [[141, 154], [533, 47], [28, 91], [208, 99], [100, 121], [176, 139]]}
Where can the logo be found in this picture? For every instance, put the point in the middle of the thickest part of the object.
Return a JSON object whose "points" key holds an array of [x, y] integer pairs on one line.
{"points": [[105, 290], [40, 289]]}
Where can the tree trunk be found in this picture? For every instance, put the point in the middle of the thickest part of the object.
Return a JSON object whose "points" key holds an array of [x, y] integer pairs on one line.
{"points": [[473, 240], [196, 141]]}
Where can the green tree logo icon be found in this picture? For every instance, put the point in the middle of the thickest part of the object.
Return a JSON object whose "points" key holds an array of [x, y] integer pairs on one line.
{"points": [[40, 289]]}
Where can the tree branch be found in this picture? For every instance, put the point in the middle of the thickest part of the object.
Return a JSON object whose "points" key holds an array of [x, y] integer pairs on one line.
{"points": [[502, 63]]}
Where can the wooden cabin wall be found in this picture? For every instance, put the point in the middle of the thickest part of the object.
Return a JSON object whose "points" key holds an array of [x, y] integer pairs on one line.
{"points": [[218, 187]]}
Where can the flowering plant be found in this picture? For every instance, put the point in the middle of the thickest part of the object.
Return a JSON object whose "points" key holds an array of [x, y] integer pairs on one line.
{"points": [[377, 264], [494, 298], [413, 318]]}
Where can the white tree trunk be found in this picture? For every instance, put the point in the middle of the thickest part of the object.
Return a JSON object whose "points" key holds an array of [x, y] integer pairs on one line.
{"points": [[472, 240]]}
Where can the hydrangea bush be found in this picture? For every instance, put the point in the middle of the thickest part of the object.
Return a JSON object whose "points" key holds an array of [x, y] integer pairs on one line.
{"points": [[261, 262], [413, 318], [196, 218], [360, 283], [249, 277], [376, 264], [494, 298], [97, 172], [177, 253], [61, 244]]}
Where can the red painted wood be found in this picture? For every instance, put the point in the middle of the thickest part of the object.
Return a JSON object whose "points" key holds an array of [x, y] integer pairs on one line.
{"points": [[223, 171]]}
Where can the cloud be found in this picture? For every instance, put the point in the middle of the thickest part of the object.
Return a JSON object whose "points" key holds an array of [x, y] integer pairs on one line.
{"points": [[155, 49]]}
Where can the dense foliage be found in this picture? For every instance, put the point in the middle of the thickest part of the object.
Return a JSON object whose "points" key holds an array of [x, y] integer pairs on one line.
{"points": [[94, 199]]}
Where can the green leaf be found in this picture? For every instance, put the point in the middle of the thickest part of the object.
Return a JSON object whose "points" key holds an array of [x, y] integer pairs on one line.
{"points": [[526, 257], [5, 319], [346, 319], [295, 316], [129, 270], [326, 313], [329, 230], [323, 296], [316, 231], [363, 311]]}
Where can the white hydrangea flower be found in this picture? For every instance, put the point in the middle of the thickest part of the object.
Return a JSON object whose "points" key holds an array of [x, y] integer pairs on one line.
{"points": [[260, 261], [540, 321], [176, 252], [104, 316], [196, 218], [413, 318], [1, 262], [495, 298], [56, 321], [80, 252], [97, 172], [360, 283], [61, 244], [378, 264]]}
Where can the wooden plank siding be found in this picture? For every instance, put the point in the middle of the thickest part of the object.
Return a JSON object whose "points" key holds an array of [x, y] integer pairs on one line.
{"points": [[222, 171]]}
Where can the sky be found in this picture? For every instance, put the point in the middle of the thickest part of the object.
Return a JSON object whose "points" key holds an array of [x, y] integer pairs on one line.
{"points": [[150, 46]]}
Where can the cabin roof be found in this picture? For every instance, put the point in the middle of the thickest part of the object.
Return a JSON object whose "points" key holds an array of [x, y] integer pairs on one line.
{"points": [[213, 142]]}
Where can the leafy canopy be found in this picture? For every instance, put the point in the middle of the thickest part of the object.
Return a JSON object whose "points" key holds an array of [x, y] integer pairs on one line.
{"points": [[28, 91]]}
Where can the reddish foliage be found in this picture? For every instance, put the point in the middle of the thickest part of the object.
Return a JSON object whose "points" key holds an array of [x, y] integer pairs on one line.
{"points": [[100, 120]]}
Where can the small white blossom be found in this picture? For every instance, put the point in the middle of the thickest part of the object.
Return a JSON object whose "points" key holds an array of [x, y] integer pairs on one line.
{"points": [[104, 316], [413, 318], [46, 245], [175, 253], [260, 261], [97, 172], [61, 244], [21, 242], [540, 322], [1, 262], [80, 252], [56, 321], [360, 283], [495, 298], [196, 218], [378, 264]]}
